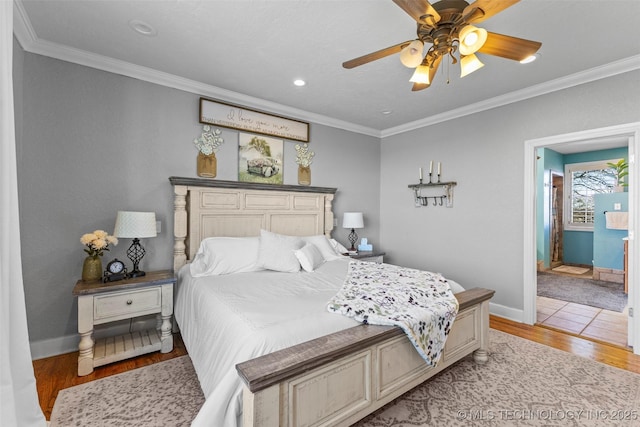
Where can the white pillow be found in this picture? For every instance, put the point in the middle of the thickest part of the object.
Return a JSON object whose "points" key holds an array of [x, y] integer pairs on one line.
{"points": [[226, 255], [338, 247], [276, 252], [310, 257], [321, 242]]}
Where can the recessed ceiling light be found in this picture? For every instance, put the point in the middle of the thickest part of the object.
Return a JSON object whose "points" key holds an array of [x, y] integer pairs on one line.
{"points": [[299, 82], [530, 58], [142, 28]]}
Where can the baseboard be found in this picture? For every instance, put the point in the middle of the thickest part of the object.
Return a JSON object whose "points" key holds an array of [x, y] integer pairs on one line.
{"points": [[54, 346], [69, 343], [517, 315]]}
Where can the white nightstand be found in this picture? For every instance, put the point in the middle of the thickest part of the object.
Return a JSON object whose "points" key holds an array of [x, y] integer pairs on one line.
{"points": [[372, 256], [100, 303]]}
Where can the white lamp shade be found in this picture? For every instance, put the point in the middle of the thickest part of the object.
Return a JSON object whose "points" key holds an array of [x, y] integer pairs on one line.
{"points": [[135, 224], [421, 75], [469, 64], [471, 39], [411, 56], [352, 220]]}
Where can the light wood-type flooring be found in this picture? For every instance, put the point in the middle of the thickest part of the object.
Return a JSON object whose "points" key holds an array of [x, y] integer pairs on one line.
{"points": [[59, 372]]}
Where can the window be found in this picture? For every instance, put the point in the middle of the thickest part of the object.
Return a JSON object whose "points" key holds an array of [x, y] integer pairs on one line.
{"points": [[582, 182]]}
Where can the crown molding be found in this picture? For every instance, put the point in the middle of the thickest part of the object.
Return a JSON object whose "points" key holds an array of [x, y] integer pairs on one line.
{"points": [[30, 42], [618, 67]]}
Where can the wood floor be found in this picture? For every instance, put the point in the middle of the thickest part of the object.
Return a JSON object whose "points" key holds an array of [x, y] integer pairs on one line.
{"points": [[59, 372]]}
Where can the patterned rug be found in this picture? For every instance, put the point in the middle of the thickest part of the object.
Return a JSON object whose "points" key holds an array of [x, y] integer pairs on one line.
{"points": [[522, 384], [163, 394]]}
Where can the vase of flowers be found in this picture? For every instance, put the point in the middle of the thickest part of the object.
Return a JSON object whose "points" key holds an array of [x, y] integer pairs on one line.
{"points": [[207, 144], [96, 243], [304, 157]]}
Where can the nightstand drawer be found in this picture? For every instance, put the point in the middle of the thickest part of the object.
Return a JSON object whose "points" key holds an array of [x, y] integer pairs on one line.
{"points": [[127, 304]]}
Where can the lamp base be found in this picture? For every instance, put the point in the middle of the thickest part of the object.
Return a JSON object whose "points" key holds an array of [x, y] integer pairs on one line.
{"points": [[136, 273]]}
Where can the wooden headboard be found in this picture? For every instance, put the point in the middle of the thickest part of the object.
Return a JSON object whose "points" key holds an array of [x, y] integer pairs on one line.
{"points": [[209, 208]]}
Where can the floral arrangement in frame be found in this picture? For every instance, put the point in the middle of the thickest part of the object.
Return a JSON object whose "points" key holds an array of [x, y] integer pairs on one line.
{"points": [[260, 159]]}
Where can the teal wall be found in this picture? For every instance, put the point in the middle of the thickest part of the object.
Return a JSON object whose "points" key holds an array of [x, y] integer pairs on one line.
{"points": [[578, 246], [608, 250]]}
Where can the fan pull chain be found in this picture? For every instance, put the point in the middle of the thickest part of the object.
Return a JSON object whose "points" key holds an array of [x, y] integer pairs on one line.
{"points": [[448, 67]]}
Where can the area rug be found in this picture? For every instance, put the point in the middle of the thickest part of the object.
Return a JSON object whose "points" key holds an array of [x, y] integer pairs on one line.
{"points": [[163, 394], [522, 384], [570, 269], [595, 293]]}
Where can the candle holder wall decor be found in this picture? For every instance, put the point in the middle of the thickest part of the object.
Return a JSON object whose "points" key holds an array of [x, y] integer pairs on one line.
{"points": [[440, 193]]}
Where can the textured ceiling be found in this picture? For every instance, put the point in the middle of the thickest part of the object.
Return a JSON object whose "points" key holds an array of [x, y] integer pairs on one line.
{"points": [[246, 50]]}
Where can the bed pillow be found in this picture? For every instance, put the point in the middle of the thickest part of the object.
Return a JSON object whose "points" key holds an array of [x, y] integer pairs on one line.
{"points": [[338, 247], [321, 242], [309, 257], [226, 255], [276, 252]]}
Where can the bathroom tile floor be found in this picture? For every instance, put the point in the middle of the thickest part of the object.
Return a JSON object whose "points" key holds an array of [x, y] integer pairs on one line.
{"points": [[583, 320]]}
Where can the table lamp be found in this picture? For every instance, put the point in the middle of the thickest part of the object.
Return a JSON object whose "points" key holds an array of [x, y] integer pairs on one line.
{"points": [[135, 225], [352, 220]]}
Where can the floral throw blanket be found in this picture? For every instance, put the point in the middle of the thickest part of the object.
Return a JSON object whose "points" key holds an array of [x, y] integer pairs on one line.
{"points": [[420, 302]]}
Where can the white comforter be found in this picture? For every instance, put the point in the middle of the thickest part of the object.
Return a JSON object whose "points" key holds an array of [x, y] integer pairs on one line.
{"points": [[228, 319], [225, 320]]}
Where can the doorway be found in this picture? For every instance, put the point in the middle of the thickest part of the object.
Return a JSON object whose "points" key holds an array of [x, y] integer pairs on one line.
{"points": [[609, 137]]}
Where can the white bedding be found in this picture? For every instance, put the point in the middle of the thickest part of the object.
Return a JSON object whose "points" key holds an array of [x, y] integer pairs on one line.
{"points": [[228, 319]]}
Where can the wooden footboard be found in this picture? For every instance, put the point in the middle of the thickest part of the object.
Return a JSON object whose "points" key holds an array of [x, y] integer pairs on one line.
{"points": [[340, 378]]}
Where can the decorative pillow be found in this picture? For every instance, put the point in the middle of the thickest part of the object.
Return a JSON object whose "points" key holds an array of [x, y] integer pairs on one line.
{"points": [[321, 242], [310, 257], [226, 255], [276, 252]]}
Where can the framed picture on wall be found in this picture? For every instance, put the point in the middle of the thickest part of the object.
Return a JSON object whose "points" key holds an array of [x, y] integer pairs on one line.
{"points": [[260, 159]]}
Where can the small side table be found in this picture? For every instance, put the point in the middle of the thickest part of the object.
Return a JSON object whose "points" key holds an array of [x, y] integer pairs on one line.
{"points": [[371, 256], [100, 303]]}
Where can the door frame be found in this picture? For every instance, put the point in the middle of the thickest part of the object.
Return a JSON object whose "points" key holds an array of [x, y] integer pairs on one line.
{"points": [[631, 131]]}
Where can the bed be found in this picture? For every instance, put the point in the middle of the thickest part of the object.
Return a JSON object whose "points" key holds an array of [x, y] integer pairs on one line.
{"points": [[335, 371]]}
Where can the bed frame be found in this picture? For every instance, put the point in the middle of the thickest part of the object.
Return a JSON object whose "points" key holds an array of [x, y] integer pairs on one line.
{"points": [[337, 379]]}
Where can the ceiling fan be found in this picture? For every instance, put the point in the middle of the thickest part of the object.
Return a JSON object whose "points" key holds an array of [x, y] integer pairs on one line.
{"points": [[447, 26]]}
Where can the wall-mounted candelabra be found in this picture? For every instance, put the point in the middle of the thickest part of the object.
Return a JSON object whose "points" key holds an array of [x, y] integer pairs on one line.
{"points": [[444, 197]]}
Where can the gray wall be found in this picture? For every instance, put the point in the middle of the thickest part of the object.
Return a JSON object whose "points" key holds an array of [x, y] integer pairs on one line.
{"points": [[91, 143], [479, 242]]}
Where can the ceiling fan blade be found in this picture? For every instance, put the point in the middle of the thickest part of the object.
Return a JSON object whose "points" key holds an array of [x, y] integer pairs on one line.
{"points": [[379, 54], [509, 47], [417, 9], [432, 73], [480, 10]]}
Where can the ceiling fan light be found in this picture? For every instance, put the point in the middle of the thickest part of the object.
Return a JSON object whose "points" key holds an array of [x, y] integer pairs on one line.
{"points": [[529, 59], [471, 39], [411, 56], [469, 64], [421, 75]]}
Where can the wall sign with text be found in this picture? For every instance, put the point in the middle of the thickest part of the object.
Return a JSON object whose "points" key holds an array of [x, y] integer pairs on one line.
{"points": [[236, 117]]}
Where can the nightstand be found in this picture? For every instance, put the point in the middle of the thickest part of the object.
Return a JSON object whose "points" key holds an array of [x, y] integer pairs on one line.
{"points": [[100, 303], [371, 256]]}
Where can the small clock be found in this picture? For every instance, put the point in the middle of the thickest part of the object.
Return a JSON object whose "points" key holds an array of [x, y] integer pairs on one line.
{"points": [[115, 271]]}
